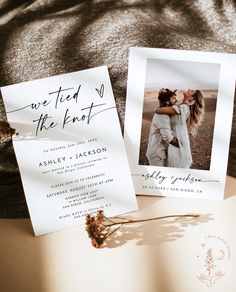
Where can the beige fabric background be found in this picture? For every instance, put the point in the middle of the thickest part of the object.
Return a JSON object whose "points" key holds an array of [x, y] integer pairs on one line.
{"points": [[40, 38]]}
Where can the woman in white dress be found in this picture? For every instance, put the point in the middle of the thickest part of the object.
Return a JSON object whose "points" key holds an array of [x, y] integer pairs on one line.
{"points": [[185, 119]]}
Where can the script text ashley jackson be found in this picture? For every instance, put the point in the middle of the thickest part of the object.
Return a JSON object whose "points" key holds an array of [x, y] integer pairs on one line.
{"points": [[46, 122]]}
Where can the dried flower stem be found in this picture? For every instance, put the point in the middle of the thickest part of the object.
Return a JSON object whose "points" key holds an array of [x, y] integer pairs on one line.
{"points": [[99, 227], [150, 219]]}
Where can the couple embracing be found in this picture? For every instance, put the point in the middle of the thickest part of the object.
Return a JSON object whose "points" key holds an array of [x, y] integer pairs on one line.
{"points": [[168, 143]]}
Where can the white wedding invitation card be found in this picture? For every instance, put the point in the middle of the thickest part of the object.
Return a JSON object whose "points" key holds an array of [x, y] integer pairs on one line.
{"points": [[69, 148], [178, 121]]}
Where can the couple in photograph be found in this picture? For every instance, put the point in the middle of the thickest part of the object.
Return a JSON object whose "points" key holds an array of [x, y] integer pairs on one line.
{"points": [[168, 143]]}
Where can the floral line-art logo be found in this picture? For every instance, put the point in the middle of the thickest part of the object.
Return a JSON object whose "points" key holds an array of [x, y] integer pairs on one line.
{"points": [[210, 277], [214, 252]]}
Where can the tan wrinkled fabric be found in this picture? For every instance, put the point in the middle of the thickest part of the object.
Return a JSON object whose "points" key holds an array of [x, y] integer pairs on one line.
{"points": [[48, 37]]}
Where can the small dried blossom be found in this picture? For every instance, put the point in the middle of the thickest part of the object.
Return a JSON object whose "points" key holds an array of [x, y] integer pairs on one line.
{"points": [[6, 131], [100, 227], [95, 229]]}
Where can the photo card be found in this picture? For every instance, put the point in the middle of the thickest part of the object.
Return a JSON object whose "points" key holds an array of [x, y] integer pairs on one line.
{"points": [[176, 131]]}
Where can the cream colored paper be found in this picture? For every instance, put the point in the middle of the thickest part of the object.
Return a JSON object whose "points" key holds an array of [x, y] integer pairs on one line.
{"points": [[162, 256]]}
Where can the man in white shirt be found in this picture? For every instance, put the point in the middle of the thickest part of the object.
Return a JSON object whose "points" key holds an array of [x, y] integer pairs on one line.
{"points": [[160, 134]]}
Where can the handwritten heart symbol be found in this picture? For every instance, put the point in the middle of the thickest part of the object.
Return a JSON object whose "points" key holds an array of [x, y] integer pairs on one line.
{"points": [[100, 91]]}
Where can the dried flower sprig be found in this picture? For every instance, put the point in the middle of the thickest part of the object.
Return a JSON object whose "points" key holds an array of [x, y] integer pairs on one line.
{"points": [[6, 131], [100, 227]]}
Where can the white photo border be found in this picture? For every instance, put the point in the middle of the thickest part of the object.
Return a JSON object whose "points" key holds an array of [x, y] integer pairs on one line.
{"points": [[176, 182]]}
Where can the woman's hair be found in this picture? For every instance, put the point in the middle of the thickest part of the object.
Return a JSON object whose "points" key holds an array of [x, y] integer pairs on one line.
{"points": [[196, 113]]}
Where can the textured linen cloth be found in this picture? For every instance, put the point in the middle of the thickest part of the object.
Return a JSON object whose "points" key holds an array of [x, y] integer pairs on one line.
{"points": [[42, 38]]}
